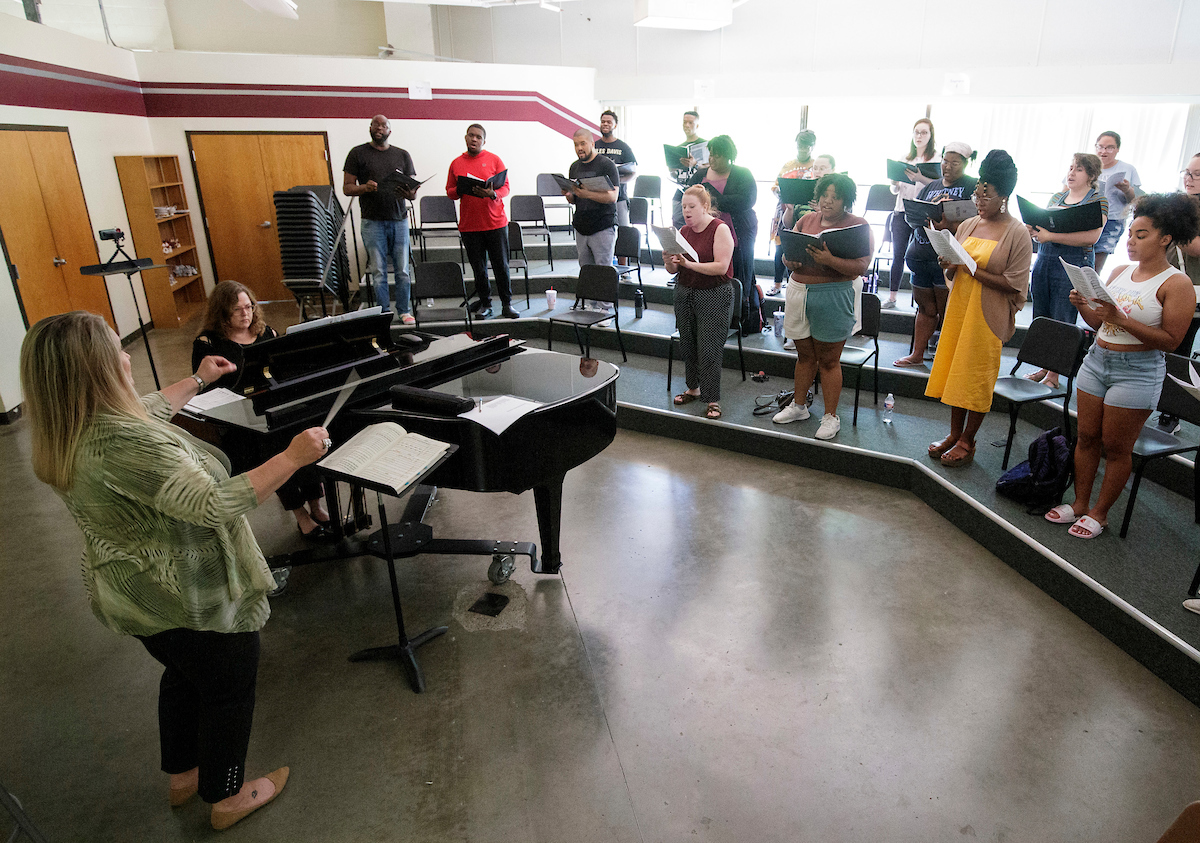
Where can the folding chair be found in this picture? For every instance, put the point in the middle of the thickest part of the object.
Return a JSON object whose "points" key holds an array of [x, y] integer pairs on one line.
{"points": [[553, 200], [596, 283], [1050, 345], [629, 246], [1153, 444], [639, 215], [440, 279], [516, 246], [856, 357], [439, 218], [648, 188], [532, 209]]}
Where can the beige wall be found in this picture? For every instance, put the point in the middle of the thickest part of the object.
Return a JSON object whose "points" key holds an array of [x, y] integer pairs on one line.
{"points": [[325, 28]]}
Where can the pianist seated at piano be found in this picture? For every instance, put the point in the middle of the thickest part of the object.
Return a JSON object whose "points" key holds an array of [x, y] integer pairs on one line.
{"points": [[233, 322], [168, 555]]}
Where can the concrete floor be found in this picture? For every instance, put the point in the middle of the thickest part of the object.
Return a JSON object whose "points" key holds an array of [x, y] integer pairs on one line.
{"points": [[736, 650]]}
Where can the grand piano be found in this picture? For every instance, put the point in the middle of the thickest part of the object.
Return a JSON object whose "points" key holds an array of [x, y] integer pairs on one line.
{"points": [[290, 383]]}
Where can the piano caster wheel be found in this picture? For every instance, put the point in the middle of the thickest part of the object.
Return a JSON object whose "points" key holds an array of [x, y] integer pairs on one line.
{"points": [[281, 581], [501, 569]]}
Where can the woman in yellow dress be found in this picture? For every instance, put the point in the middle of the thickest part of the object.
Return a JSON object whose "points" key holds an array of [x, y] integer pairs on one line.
{"points": [[982, 310]]}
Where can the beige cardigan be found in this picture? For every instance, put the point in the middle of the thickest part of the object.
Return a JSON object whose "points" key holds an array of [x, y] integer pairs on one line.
{"points": [[1011, 258]]}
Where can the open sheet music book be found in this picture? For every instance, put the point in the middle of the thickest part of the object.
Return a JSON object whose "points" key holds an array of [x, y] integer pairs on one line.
{"points": [[1088, 284], [403, 181], [597, 183], [673, 243], [465, 185], [897, 170], [853, 241], [948, 248], [386, 455]]}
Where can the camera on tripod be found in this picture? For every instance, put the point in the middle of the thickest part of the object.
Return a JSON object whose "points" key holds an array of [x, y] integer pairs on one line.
{"points": [[112, 234]]}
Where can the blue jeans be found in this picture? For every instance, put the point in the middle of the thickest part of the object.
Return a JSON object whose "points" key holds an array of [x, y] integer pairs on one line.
{"points": [[384, 239]]}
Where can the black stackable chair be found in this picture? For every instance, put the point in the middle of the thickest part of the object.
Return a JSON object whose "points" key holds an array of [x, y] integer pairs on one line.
{"points": [[516, 246], [440, 280], [856, 357], [596, 283], [531, 209], [1054, 346], [439, 219]]}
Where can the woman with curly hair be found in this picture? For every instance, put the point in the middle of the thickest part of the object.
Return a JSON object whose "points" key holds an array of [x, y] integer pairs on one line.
{"points": [[1121, 377]]}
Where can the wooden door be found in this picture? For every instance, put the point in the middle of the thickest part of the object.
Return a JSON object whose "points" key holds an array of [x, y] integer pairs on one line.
{"points": [[46, 227], [238, 175], [62, 195]]}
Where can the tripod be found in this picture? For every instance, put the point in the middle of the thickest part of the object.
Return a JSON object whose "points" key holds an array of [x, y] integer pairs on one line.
{"points": [[128, 267]]}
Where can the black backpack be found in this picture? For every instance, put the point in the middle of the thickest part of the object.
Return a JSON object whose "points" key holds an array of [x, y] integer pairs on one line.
{"points": [[752, 315], [1041, 481]]}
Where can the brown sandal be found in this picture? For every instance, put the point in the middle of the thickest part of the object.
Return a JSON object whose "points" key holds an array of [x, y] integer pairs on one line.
{"points": [[936, 449], [714, 411], [958, 462], [685, 398]]}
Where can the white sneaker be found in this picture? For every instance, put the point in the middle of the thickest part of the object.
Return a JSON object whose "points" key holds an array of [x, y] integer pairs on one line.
{"points": [[791, 413], [1192, 605], [830, 425], [789, 345]]}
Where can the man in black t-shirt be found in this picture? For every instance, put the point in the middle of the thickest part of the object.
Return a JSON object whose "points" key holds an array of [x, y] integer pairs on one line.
{"points": [[620, 154], [595, 218], [384, 212]]}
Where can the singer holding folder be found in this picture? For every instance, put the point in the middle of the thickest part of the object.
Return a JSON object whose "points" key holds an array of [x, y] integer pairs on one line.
{"points": [[482, 221], [233, 322], [169, 556]]}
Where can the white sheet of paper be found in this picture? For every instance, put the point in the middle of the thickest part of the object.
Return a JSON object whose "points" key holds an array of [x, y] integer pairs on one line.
{"points": [[948, 248], [673, 243], [212, 398], [1193, 388], [498, 414], [1088, 284]]}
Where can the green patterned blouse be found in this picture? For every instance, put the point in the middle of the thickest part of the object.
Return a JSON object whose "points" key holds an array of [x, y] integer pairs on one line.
{"points": [[167, 541]]}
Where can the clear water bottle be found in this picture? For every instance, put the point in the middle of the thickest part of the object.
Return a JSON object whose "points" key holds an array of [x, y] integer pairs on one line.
{"points": [[889, 404]]}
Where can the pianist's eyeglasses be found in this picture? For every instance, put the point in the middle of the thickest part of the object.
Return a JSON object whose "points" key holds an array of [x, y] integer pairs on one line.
{"points": [[243, 308]]}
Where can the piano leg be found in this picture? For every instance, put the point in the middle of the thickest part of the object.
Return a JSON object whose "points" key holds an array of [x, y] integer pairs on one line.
{"points": [[547, 498]]}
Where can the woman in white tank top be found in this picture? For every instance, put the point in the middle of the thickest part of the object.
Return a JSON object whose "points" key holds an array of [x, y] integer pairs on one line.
{"points": [[1121, 377]]}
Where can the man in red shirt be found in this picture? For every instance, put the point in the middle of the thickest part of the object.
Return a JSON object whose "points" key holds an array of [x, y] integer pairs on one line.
{"points": [[482, 221]]}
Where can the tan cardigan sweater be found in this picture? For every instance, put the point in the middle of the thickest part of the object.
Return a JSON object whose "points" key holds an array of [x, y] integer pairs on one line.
{"points": [[1011, 258]]}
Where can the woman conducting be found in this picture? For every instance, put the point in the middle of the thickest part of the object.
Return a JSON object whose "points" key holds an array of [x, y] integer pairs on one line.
{"points": [[1050, 285], [703, 299], [927, 277], [982, 310], [233, 322], [735, 192], [819, 305], [921, 150], [169, 556], [1121, 377]]}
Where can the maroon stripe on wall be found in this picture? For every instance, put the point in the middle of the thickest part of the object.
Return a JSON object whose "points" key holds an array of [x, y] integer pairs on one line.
{"points": [[41, 90]]}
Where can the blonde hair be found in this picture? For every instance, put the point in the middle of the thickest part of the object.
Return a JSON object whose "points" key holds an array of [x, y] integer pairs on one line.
{"points": [[71, 371], [221, 303], [702, 195]]}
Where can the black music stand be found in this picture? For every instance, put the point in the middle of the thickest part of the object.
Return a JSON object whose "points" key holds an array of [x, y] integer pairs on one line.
{"points": [[129, 268], [410, 537]]}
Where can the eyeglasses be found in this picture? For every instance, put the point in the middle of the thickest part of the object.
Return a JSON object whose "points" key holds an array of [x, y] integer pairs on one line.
{"points": [[1100, 148], [243, 308], [1190, 174]]}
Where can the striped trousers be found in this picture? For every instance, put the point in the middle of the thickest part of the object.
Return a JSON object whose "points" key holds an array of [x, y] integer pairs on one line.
{"points": [[702, 318]]}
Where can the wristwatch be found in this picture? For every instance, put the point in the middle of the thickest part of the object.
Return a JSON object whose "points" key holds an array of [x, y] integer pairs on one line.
{"points": [[199, 382]]}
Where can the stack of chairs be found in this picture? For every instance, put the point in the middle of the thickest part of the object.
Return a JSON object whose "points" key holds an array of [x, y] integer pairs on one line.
{"points": [[311, 224]]}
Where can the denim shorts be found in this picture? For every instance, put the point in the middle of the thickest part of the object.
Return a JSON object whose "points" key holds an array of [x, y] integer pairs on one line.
{"points": [[1129, 379], [1113, 229], [925, 273]]}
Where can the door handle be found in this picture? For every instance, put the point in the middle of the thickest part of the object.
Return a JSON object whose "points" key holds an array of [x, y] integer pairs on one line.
{"points": [[59, 262], [265, 224]]}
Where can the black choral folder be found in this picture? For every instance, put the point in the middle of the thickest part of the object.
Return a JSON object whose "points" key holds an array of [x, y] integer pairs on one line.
{"points": [[1064, 220]]}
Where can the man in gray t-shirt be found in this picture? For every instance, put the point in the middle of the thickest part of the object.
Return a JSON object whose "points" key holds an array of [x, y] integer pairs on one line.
{"points": [[1119, 182], [384, 211]]}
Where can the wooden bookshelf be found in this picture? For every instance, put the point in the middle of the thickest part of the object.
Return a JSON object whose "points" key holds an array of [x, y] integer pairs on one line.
{"points": [[147, 182]]}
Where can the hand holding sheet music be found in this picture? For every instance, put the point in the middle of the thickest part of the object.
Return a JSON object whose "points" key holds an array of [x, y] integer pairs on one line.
{"points": [[673, 243], [950, 250], [1088, 284]]}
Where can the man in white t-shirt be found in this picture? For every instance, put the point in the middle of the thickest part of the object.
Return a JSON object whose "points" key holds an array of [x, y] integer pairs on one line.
{"points": [[1119, 182]]}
